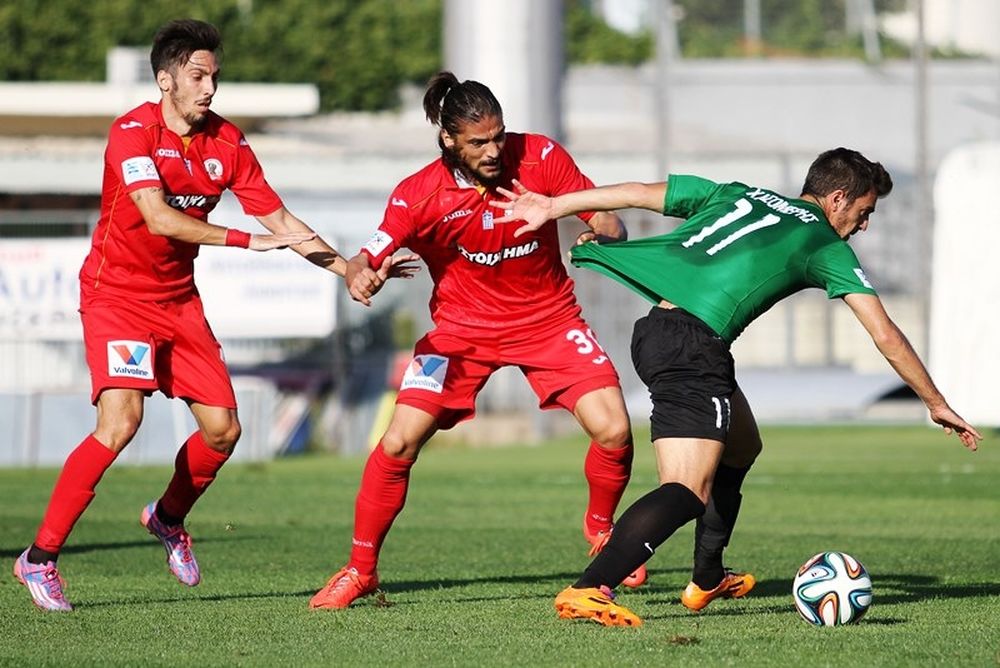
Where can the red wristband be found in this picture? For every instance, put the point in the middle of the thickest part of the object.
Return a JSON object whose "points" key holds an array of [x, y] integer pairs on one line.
{"points": [[237, 238]]}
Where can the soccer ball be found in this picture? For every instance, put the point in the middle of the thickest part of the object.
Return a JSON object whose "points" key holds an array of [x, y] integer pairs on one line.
{"points": [[831, 589]]}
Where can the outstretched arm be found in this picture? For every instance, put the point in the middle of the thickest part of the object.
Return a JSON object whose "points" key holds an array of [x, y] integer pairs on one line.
{"points": [[535, 209], [315, 249], [163, 220], [894, 346], [361, 280]]}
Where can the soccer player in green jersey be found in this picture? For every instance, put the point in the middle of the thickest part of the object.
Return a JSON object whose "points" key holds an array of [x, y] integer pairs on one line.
{"points": [[740, 251]]}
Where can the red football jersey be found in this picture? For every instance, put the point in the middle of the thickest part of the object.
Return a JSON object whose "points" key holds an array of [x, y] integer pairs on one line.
{"points": [[125, 258], [483, 276]]}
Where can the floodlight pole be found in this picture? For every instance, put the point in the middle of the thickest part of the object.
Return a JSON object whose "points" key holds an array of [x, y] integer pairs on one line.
{"points": [[923, 215], [522, 60], [860, 19], [752, 33], [869, 31], [666, 52]]}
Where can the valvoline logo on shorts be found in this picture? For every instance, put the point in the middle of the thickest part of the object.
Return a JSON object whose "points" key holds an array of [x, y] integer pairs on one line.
{"points": [[130, 358], [426, 372]]}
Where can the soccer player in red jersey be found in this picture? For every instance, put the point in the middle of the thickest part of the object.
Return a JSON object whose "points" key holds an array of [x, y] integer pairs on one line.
{"points": [[497, 301], [165, 166]]}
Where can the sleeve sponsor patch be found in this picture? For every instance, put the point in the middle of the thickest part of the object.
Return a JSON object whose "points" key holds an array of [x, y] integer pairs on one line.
{"points": [[139, 169], [378, 243]]}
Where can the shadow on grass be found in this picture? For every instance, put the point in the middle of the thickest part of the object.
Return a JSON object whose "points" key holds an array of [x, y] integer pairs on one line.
{"points": [[889, 589], [305, 595], [894, 588], [86, 548], [765, 589], [392, 589], [548, 585], [908, 588], [544, 581], [553, 581]]}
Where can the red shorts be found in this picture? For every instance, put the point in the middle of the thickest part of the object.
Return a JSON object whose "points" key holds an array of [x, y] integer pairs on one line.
{"points": [[451, 364], [149, 346]]}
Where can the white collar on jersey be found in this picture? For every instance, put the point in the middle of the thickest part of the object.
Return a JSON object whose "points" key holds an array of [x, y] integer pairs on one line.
{"points": [[463, 182]]}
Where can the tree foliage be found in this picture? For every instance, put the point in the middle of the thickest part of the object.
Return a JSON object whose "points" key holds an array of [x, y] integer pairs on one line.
{"points": [[356, 51], [813, 28], [590, 40]]}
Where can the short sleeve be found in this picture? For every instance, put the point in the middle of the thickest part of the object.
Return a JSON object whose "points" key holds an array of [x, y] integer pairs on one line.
{"points": [[835, 267], [130, 154], [687, 194], [249, 185], [394, 232], [561, 172]]}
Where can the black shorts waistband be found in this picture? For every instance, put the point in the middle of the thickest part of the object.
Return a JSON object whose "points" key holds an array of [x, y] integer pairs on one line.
{"points": [[686, 316]]}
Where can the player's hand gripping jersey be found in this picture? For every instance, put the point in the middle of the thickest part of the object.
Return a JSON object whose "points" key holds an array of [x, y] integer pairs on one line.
{"points": [[741, 250], [483, 276], [126, 259]]}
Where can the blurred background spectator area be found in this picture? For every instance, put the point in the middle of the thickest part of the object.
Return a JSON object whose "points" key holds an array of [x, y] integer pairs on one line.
{"points": [[329, 94]]}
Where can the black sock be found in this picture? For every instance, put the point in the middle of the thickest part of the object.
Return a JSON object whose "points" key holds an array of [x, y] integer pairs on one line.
{"points": [[37, 555], [715, 527], [639, 531], [166, 519]]}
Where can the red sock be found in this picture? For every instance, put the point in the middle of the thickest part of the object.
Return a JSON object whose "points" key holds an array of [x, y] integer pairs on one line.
{"points": [[381, 497], [73, 492], [194, 470], [607, 473]]}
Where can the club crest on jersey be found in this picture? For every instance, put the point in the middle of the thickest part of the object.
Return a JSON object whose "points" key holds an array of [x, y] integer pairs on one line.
{"points": [[214, 168], [487, 220], [131, 359], [426, 372]]}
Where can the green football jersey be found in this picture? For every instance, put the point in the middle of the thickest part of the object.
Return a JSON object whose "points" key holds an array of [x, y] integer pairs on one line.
{"points": [[740, 251]]}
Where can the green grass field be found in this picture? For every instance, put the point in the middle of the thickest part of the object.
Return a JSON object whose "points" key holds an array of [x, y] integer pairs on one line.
{"points": [[489, 537]]}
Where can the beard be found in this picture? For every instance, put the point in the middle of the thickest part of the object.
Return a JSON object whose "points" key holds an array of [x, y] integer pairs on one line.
{"points": [[453, 161], [193, 118]]}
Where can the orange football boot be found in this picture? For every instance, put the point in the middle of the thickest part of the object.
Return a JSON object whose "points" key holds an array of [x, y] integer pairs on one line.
{"points": [[596, 604], [733, 585], [343, 588]]}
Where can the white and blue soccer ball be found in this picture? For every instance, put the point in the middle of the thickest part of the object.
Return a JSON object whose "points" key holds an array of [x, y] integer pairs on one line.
{"points": [[832, 589]]}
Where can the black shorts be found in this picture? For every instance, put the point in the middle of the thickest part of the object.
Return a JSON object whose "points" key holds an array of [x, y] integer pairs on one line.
{"points": [[689, 372]]}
